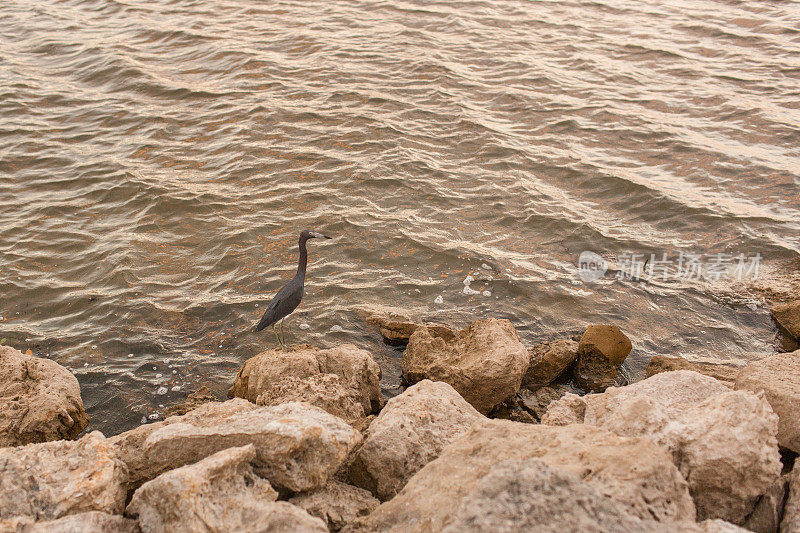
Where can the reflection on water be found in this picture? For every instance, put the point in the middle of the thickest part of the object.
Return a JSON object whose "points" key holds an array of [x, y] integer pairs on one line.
{"points": [[157, 160]]}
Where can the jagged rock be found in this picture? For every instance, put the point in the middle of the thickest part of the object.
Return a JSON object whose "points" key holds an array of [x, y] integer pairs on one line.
{"points": [[54, 479], [325, 391], [716, 526], [484, 363], [218, 493], [292, 373], [537, 402], [791, 511], [298, 446], [779, 377], [40, 400], [548, 361], [397, 327], [722, 441], [409, 432], [766, 516], [338, 504], [724, 372], [601, 351], [199, 397], [130, 444], [635, 473], [88, 522], [787, 317]]}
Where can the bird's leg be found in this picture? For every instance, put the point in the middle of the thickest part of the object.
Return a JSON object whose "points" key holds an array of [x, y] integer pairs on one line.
{"points": [[283, 335], [275, 331]]}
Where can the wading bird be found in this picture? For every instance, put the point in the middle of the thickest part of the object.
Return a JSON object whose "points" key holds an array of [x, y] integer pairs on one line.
{"points": [[290, 296]]}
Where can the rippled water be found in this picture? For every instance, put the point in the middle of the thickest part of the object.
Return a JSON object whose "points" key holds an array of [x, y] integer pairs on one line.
{"points": [[157, 160]]}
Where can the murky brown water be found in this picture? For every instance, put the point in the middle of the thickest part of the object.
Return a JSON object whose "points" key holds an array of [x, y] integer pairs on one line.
{"points": [[157, 160]]}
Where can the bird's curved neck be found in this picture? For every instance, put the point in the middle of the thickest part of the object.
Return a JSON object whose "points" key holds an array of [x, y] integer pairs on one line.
{"points": [[303, 261]]}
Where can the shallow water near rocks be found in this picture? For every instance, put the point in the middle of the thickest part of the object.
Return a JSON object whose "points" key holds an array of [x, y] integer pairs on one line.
{"points": [[158, 159]]}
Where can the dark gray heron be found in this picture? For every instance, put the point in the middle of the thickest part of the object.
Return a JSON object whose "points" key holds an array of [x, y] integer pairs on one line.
{"points": [[291, 294]]}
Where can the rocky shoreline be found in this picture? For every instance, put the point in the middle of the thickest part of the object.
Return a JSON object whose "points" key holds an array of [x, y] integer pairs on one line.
{"points": [[487, 436]]}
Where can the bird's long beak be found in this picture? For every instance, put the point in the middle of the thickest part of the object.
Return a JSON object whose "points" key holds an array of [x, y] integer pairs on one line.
{"points": [[319, 235]]}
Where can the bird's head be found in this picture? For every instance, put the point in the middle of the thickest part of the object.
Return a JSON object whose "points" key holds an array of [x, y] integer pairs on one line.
{"points": [[308, 234]]}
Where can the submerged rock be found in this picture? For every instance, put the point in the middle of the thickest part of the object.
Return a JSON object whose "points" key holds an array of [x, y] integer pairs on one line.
{"points": [[199, 397], [331, 379], [722, 441], [484, 363], [88, 522], [635, 473], [218, 493], [787, 317], [724, 372], [397, 327], [601, 351], [338, 504], [548, 361], [410, 431], [778, 376], [40, 400], [54, 479]]}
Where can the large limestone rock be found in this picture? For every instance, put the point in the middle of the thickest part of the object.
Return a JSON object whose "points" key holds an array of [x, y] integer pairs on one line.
{"points": [[130, 444], [218, 493], [298, 446], [410, 432], [88, 522], [537, 497], [337, 504], [787, 317], [548, 361], [722, 441], [791, 511], [779, 377], [343, 380], [724, 372], [635, 473], [601, 351], [54, 479], [484, 363], [40, 400]]}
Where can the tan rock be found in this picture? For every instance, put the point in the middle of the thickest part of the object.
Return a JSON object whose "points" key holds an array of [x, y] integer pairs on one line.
{"points": [[88, 522], [202, 395], [337, 504], [129, 445], [768, 511], [484, 363], [548, 361], [298, 446], [218, 493], [325, 391], [724, 372], [40, 400], [635, 473], [290, 373], [779, 377], [722, 441], [538, 401], [397, 327], [54, 479], [601, 351], [410, 431], [791, 511], [787, 317]]}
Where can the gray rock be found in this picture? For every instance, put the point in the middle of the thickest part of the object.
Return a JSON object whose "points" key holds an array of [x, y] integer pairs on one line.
{"points": [[484, 363], [791, 511], [768, 511], [53, 479], [410, 431], [40, 400], [338, 504]]}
